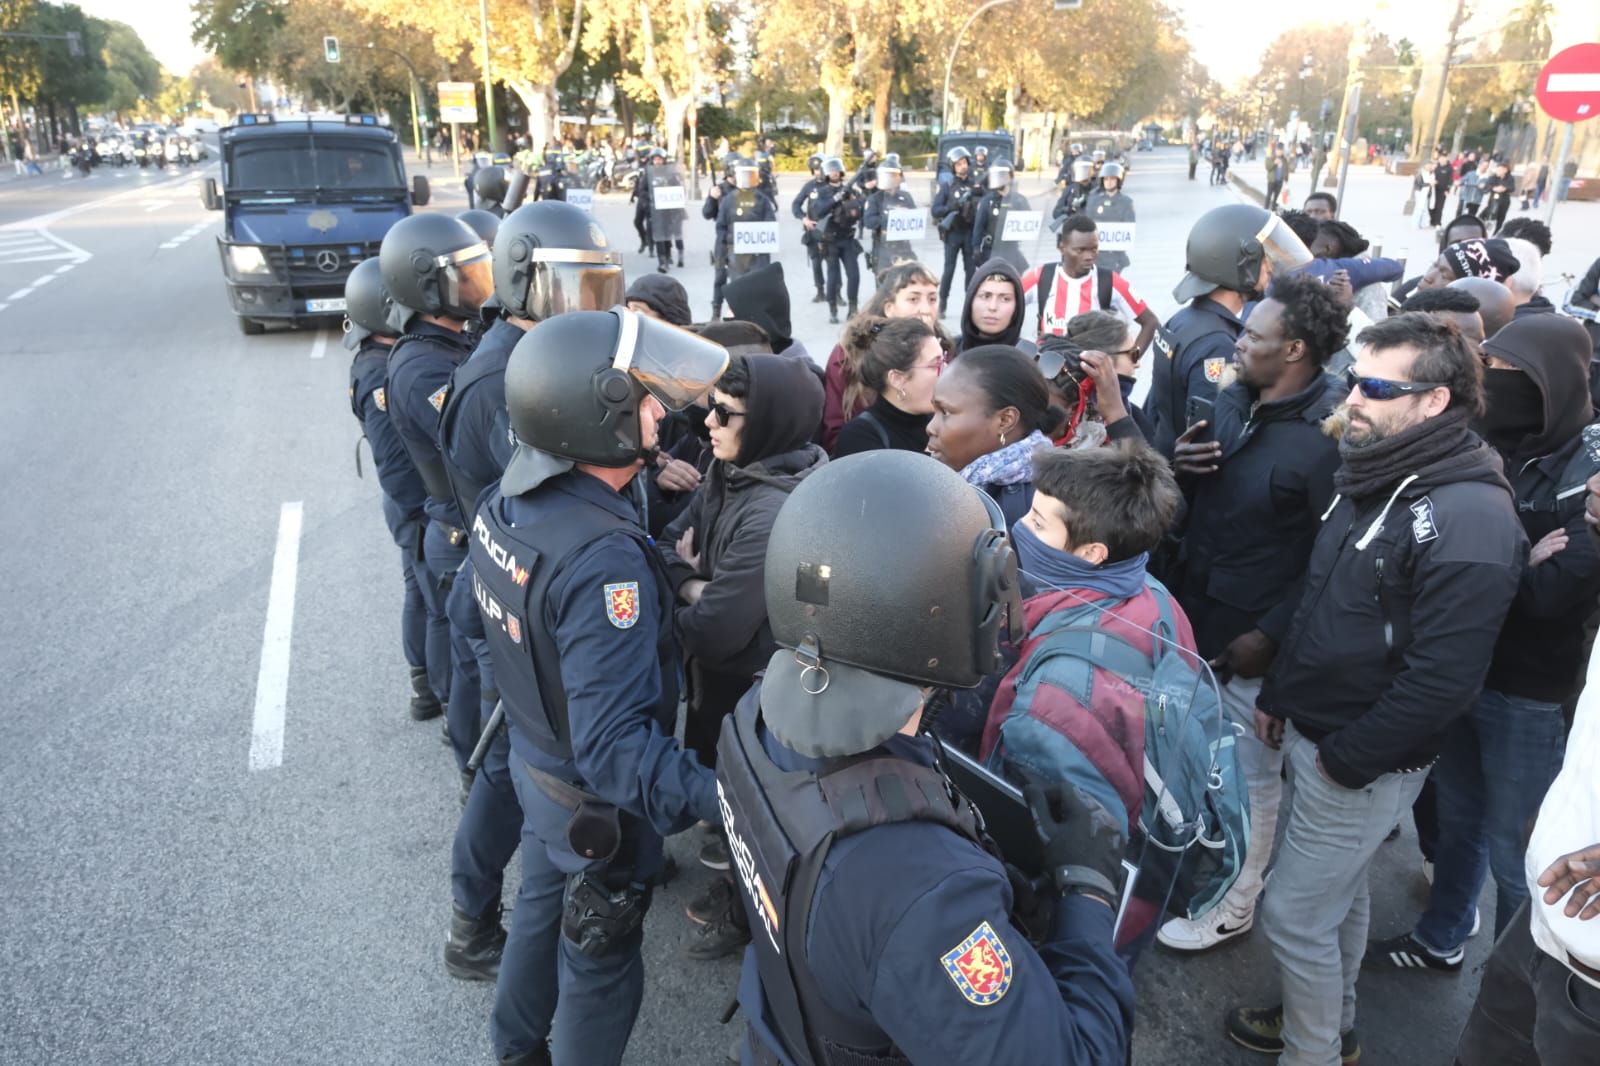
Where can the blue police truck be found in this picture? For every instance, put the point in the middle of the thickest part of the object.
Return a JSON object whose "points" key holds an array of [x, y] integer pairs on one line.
{"points": [[303, 201]]}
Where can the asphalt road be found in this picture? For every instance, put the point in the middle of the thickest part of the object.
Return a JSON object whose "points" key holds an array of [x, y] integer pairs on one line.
{"points": [[162, 902]]}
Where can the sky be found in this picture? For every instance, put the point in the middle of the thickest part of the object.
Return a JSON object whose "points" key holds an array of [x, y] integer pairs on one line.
{"points": [[163, 25]]}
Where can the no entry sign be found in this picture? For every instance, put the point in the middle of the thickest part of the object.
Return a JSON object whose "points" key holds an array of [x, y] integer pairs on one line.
{"points": [[1569, 85]]}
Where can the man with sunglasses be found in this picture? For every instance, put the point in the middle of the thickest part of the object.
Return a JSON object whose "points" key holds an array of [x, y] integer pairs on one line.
{"points": [[1407, 586], [1256, 473]]}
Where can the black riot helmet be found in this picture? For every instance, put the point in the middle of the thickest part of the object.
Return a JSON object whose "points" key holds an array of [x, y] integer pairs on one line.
{"points": [[434, 265], [575, 385], [483, 223], [1082, 171], [889, 175], [982, 152], [956, 154], [833, 167], [1111, 170], [489, 186], [366, 304], [885, 572], [813, 163], [1228, 248], [729, 161], [550, 258], [1000, 173], [891, 160], [1075, 149], [658, 153]]}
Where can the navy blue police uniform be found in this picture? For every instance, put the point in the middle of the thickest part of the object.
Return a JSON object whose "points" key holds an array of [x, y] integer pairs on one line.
{"points": [[740, 205], [1192, 351], [875, 219], [710, 211], [578, 614], [475, 441], [934, 972], [403, 496], [419, 380], [837, 209], [812, 240], [955, 207], [986, 228]]}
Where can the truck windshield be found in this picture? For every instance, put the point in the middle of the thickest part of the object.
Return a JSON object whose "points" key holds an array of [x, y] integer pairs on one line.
{"points": [[286, 166]]}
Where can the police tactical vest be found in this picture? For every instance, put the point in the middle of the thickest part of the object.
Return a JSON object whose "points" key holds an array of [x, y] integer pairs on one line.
{"points": [[484, 373], [781, 825], [1167, 398], [427, 460], [512, 570]]}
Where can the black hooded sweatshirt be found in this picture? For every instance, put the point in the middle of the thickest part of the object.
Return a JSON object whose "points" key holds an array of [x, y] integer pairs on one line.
{"points": [[970, 338], [732, 514], [1539, 655], [1405, 593]]}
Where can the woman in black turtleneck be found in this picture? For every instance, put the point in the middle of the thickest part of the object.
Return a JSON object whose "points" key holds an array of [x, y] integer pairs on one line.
{"points": [[901, 364]]}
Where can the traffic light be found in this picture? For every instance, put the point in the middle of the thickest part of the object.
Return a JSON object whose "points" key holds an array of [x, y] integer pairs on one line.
{"points": [[330, 49]]}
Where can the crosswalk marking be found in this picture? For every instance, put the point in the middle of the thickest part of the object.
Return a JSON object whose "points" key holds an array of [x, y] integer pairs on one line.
{"points": [[36, 246]]}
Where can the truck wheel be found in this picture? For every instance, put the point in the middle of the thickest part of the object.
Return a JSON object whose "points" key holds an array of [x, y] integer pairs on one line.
{"points": [[251, 328]]}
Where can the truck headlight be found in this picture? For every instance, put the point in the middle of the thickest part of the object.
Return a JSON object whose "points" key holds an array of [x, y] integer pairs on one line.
{"points": [[247, 259]]}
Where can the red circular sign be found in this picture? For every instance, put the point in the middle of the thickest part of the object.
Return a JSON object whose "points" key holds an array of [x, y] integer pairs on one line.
{"points": [[1569, 85]]}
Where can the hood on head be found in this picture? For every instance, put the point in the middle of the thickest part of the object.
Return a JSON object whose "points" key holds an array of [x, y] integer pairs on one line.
{"points": [[762, 297], [1554, 351], [782, 409], [969, 336], [664, 295]]}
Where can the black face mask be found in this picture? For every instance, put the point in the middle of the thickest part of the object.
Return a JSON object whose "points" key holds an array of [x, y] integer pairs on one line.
{"points": [[1516, 408]]}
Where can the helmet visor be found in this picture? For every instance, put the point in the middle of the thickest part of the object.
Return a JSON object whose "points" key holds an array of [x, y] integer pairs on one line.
{"points": [[676, 366], [1281, 247], [746, 177], [1082, 170], [572, 279], [889, 178], [466, 279]]}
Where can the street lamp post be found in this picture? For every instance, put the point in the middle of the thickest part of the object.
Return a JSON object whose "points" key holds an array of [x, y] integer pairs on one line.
{"points": [[423, 152], [488, 79], [944, 98]]}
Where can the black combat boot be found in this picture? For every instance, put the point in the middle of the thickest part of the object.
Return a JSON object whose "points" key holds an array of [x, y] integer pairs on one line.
{"points": [[472, 953], [539, 1056], [820, 297], [851, 313], [424, 704], [833, 312]]}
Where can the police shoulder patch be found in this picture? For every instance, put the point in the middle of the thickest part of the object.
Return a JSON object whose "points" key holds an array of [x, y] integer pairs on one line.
{"points": [[1423, 526], [980, 966], [1214, 368], [437, 397], [380, 398], [622, 604]]}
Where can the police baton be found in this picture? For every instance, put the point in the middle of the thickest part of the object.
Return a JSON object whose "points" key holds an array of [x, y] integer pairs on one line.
{"points": [[487, 737]]}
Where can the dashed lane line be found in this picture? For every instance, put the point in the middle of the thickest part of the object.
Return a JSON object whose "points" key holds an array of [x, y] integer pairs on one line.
{"points": [[272, 680], [187, 235], [320, 345]]}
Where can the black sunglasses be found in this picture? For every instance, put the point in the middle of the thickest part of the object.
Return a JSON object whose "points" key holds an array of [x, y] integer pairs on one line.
{"points": [[723, 412], [1383, 389]]}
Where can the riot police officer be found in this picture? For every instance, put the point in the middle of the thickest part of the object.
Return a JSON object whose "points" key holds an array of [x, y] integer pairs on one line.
{"points": [[890, 195], [489, 187], [880, 916], [745, 203], [812, 240], [578, 612], [988, 229], [955, 206], [769, 183], [980, 167], [481, 222], [708, 211], [1110, 204], [551, 183], [369, 335], [1232, 253], [832, 212], [1075, 195], [550, 261], [666, 221], [1069, 162], [640, 198], [437, 273]]}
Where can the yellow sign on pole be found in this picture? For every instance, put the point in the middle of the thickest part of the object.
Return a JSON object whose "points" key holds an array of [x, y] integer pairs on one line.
{"points": [[458, 102]]}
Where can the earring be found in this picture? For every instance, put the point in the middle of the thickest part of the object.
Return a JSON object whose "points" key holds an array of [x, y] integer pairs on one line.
{"points": [[902, 394], [1002, 440]]}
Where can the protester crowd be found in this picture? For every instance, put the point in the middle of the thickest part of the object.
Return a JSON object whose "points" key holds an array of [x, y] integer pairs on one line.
{"points": [[1335, 568]]}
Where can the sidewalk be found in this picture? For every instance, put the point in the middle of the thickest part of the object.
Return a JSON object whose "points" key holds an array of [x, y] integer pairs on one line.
{"points": [[1374, 203], [50, 165]]}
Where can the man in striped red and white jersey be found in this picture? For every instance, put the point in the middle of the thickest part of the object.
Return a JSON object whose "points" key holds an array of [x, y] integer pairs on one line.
{"points": [[1076, 285]]}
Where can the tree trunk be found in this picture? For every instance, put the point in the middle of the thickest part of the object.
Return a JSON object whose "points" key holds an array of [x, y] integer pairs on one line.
{"points": [[674, 109], [838, 115], [543, 107], [881, 92]]}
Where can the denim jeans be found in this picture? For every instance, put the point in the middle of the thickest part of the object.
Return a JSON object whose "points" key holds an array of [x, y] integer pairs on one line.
{"points": [[1497, 763], [1317, 909]]}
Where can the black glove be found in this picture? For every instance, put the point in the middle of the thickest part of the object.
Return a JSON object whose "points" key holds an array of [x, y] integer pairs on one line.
{"points": [[1083, 842]]}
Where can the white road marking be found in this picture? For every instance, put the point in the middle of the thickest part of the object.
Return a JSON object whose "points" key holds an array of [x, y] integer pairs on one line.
{"points": [[64, 269], [43, 280], [319, 345], [187, 235], [4, 306], [156, 205], [19, 294], [272, 681]]}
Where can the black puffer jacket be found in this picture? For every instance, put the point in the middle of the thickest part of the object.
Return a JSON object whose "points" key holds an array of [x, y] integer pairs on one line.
{"points": [[1404, 597], [1252, 524]]}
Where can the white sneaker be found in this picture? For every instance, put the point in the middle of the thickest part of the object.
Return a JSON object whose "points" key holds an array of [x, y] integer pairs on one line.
{"points": [[1477, 920], [1223, 923]]}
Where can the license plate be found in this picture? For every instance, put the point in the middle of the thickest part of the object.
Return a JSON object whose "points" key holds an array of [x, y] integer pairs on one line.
{"points": [[325, 305]]}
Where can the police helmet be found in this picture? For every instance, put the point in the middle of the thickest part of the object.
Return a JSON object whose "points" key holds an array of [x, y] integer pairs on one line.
{"points": [[956, 154], [813, 163], [1082, 170], [729, 161], [576, 383], [551, 257], [1228, 247], [892, 160], [860, 626], [489, 185], [434, 265], [366, 304], [868, 156], [889, 175], [833, 166], [1111, 170], [982, 152], [764, 160], [1000, 172], [552, 156], [1076, 149], [658, 153], [1099, 155], [483, 223], [746, 175]]}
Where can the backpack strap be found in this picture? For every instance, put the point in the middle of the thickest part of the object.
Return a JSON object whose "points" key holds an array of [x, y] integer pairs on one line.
{"points": [[1103, 286], [1043, 292], [877, 427]]}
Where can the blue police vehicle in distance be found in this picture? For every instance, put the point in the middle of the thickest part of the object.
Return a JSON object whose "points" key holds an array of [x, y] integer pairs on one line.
{"points": [[303, 201]]}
